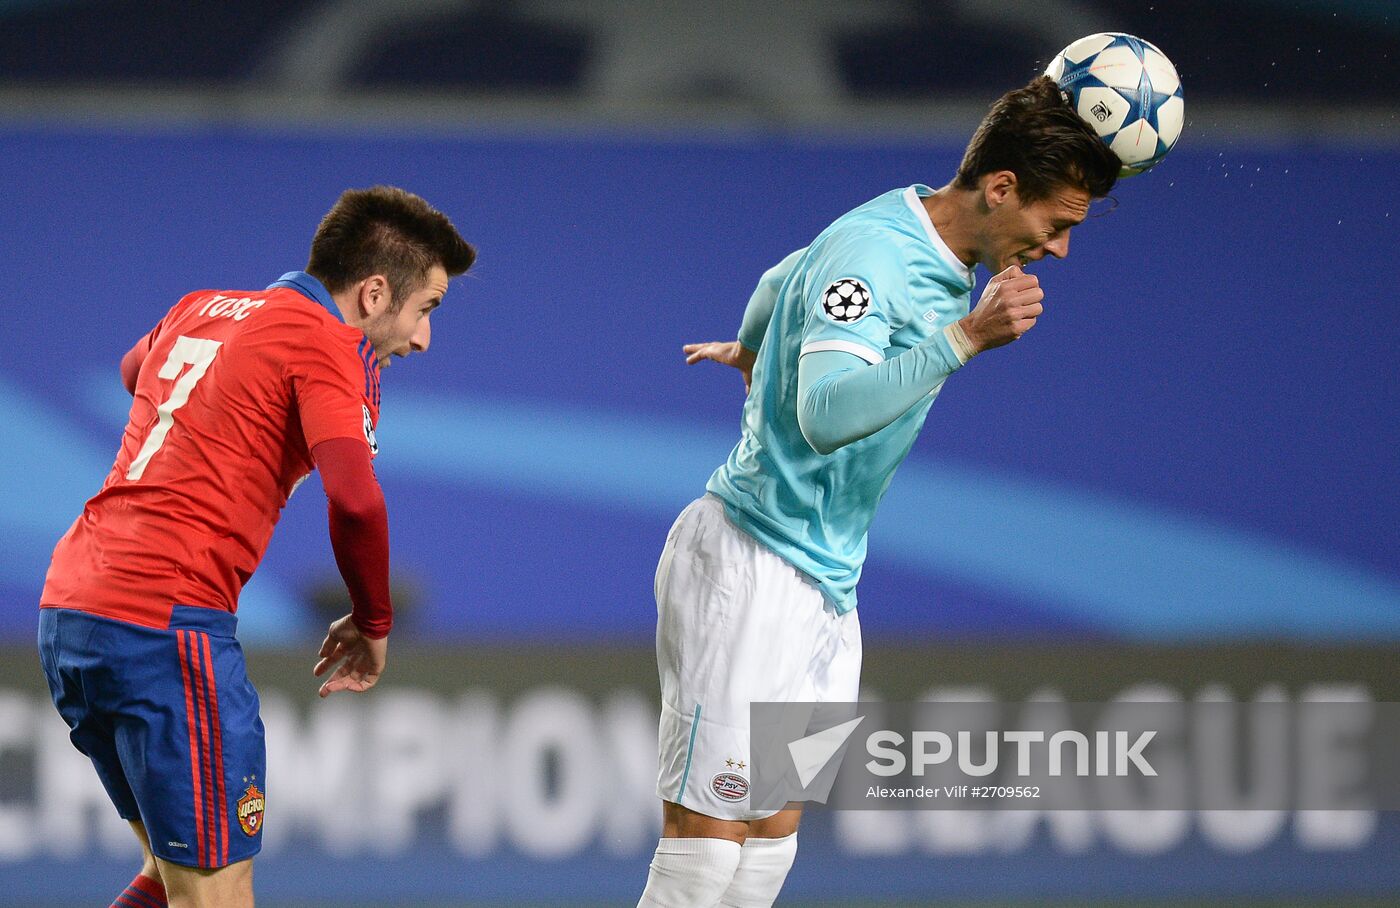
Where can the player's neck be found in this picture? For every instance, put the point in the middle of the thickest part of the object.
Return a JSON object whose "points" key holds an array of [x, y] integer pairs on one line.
{"points": [[954, 215], [345, 304]]}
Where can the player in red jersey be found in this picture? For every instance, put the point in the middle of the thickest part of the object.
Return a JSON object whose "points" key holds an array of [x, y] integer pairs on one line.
{"points": [[237, 396]]}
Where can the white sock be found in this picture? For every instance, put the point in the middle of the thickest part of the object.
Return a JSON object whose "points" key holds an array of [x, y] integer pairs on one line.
{"points": [[690, 873], [763, 866]]}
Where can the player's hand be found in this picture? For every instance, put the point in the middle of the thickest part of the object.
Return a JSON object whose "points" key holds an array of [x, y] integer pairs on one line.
{"points": [[1008, 309], [361, 658], [727, 353]]}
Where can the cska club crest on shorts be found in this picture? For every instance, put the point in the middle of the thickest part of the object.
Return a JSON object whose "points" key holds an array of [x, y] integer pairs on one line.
{"points": [[250, 810]]}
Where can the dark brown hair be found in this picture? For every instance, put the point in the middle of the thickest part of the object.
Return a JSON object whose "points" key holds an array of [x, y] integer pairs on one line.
{"points": [[1035, 133], [385, 230]]}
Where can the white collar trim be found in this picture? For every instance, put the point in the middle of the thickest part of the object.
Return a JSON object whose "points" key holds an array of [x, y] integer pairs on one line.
{"points": [[912, 199]]}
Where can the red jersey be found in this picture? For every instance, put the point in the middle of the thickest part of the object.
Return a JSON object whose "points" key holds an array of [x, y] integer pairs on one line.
{"points": [[235, 390]]}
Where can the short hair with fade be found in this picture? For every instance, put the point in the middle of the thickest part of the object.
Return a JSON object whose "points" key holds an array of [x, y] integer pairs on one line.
{"points": [[385, 230], [1035, 133]]}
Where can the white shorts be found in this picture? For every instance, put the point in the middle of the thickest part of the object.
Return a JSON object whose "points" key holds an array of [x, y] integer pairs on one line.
{"points": [[736, 624]]}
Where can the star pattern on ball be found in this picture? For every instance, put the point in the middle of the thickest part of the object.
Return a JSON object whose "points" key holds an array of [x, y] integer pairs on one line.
{"points": [[1127, 90]]}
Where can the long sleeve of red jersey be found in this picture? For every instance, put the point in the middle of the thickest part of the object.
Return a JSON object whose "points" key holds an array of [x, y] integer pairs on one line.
{"points": [[131, 362], [359, 528]]}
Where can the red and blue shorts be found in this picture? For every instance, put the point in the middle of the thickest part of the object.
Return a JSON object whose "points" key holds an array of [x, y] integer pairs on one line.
{"points": [[171, 724]]}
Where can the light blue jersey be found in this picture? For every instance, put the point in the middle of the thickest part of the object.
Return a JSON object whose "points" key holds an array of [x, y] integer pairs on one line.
{"points": [[879, 283]]}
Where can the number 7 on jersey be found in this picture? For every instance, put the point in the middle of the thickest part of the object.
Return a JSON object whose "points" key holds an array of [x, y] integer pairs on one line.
{"points": [[197, 353]]}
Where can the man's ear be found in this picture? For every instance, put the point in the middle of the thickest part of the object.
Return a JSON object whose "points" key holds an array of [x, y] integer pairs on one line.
{"points": [[998, 188], [373, 296]]}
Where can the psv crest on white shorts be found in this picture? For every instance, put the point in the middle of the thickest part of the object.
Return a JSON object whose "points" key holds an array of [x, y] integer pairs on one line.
{"points": [[846, 301], [730, 786]]}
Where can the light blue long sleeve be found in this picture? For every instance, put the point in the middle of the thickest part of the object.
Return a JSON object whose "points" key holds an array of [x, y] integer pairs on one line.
{"points": [[759, 311], [841, 398]]}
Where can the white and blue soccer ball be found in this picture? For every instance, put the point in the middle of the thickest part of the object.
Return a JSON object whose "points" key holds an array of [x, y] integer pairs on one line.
{"points": [[1128, 91]]}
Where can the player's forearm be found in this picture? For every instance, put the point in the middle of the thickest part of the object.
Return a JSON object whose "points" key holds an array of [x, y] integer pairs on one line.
{"points": [[360, 540], [841, 399], [759, 312], [359, 531]]}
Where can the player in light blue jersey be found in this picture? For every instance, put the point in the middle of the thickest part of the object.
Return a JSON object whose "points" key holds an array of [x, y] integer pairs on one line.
{"points": [[844, 346]]}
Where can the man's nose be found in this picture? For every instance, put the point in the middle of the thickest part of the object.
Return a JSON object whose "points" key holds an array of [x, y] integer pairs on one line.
{"points": [[421, 336]]}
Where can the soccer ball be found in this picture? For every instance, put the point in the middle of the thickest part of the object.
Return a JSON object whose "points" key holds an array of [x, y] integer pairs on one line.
{"points": [[846, 300], [1128, 91]]}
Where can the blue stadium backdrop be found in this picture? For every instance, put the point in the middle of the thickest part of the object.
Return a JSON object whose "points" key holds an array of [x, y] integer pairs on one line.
{"points": [[1196, 447]]}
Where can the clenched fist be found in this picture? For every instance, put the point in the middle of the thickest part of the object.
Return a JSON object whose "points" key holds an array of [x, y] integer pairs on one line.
{"points": [[1008, 309]]}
